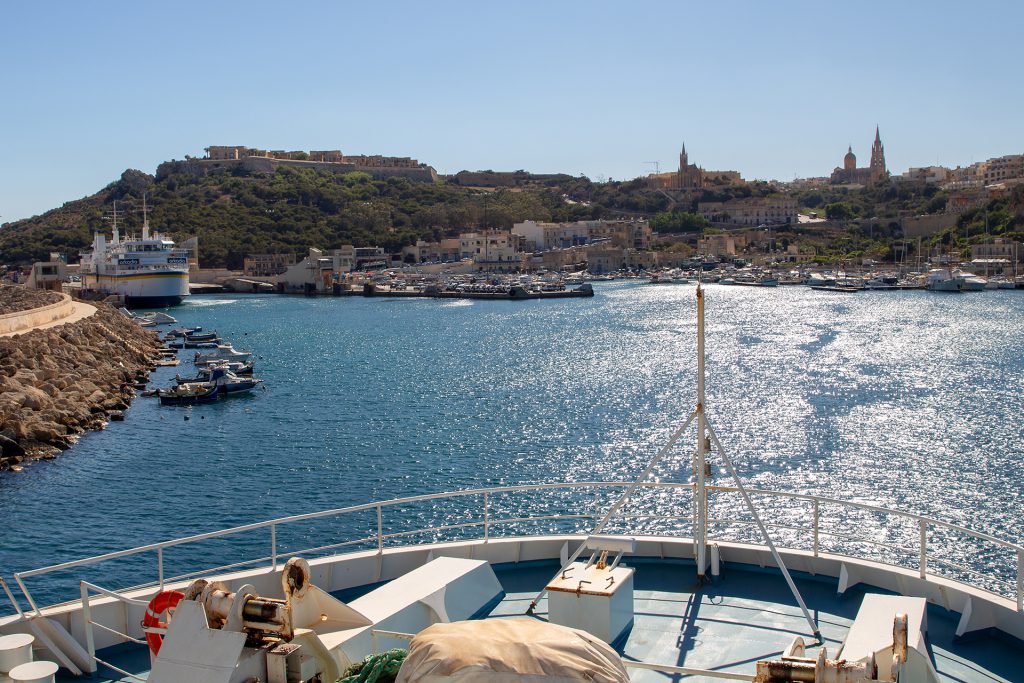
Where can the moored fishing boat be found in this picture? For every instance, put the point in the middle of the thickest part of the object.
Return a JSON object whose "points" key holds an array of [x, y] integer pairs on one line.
{"points": [[188, 394], [203, 372], [226, 381], [222, 352]]}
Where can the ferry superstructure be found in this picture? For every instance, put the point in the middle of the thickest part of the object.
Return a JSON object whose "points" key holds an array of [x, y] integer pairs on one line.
{"points": [[686, 580], [147, 273]]}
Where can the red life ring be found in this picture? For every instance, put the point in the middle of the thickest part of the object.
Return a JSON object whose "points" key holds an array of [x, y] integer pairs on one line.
{"points": [[161, 603]]}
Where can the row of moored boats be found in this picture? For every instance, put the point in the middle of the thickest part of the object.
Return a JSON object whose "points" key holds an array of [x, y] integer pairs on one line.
{"points": [[221, 370]]}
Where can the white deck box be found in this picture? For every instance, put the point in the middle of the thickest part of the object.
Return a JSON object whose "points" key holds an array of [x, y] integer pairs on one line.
{"points": [[598, 601]]}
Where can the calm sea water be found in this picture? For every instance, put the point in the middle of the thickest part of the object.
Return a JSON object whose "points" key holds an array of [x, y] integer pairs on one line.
{"points": [[909, 400]]}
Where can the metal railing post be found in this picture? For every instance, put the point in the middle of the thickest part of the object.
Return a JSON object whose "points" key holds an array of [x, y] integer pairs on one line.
{"points": [[1020, 580], [487, 517], [90, 640], [380, 531], [28, 596], [273, 546], [922, 527], [159, 567], [816, 520], [10, 596]]}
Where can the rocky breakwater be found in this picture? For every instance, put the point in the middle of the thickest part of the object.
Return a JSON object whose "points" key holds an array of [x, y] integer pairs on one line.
{"points": [[59, 382]]}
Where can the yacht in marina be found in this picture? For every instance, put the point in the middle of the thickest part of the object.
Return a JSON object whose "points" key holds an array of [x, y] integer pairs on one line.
{"points": [[943, 280], [146, 272], [647, 579], [972, 282]]}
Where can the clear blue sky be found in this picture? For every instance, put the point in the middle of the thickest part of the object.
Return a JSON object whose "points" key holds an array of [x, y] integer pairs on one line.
{"points": [[771, 89]]}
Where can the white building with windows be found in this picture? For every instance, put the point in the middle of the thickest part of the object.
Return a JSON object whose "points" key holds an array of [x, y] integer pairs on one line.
{"points": [[751, 211]]}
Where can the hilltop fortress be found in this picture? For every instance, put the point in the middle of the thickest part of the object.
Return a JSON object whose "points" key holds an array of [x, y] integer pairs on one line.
{"points": [[219, 159]]}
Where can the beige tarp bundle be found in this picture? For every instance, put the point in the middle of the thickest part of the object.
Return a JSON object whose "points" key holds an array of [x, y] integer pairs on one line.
{"points": [[509, 651]]}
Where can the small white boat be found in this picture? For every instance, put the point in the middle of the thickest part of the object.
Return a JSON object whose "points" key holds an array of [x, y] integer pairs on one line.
{"points": [[155, 318], [882, 282], [222, 352]]}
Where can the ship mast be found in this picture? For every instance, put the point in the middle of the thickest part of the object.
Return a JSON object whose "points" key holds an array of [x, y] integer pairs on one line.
{"points": [[705, 438], [145, 218], [115, 236], [700, 493]]}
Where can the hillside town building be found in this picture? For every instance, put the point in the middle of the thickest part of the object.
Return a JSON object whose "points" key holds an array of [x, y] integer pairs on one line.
{"points": [[752, 211], [626, 233], [267, 265]]}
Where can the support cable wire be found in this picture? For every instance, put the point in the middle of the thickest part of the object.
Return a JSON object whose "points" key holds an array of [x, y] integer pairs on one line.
{"points": [[700, 490], [620, 502], [764, 532]]}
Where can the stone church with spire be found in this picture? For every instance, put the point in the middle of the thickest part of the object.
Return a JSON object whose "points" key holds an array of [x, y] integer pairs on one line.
{"points": [[875, 172], [691, 176]]}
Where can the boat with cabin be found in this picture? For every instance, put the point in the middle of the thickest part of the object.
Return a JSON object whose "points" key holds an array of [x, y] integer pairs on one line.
{"points": [[188, 394], [646, 579], [203, 372], [221, 377], [943, 280], [222, 352]]}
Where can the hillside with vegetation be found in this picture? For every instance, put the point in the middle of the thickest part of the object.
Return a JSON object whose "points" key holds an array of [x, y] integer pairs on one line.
{"points": [[291, 209]]}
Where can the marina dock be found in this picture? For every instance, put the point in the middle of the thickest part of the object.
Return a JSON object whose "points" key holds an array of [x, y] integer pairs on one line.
{"points": [[495, 292]]}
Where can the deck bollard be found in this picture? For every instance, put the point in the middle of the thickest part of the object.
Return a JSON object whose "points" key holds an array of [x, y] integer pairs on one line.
{"points": [[15, 650], [34, 672]]}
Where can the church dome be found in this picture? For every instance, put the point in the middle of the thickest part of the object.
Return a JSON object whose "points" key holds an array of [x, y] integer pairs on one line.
{"points": [[850, 160]]}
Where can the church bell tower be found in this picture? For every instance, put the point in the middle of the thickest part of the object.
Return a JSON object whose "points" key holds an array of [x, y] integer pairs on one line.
{"points": [[877, 166]]}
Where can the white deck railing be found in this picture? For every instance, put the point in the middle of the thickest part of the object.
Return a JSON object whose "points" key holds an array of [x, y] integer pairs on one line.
{"points": [[1001, 577]]}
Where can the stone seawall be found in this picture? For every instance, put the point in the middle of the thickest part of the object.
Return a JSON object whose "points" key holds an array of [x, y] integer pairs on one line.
{"points": [[60, 382], [23, 320]]}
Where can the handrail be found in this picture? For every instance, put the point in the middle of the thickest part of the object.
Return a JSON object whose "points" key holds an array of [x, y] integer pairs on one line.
{"points": [[10, 596], [489, 522], [90, 639]]}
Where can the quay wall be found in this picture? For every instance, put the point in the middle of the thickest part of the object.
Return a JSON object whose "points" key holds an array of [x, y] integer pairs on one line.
{"points": [[23, 320], [59, 382]]}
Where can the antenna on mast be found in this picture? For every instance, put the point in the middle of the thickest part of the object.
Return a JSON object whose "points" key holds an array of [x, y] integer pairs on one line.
{"points": [[116, 235]]}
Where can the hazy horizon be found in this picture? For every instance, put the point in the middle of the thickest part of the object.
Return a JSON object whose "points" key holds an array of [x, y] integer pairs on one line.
{"points": [[772, 91]]}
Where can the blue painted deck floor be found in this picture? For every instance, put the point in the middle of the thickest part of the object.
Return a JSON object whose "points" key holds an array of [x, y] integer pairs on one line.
{"points": [[744, 616]]}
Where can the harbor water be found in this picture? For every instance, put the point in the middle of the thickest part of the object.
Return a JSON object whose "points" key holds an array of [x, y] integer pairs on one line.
{"points": [[908, 400]]}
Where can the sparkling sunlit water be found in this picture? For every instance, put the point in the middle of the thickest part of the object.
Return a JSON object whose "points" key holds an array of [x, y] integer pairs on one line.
{"points": [[908, 400]]}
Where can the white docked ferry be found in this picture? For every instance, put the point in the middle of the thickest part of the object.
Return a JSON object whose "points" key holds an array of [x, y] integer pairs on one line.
{"points": [[147, 273]]}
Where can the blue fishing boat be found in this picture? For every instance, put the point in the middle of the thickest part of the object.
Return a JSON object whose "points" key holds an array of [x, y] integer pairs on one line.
{"points": [[189, 394]]}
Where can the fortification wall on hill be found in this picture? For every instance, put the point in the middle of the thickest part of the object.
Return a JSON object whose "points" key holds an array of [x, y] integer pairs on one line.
{"points": [[203, 167]]}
